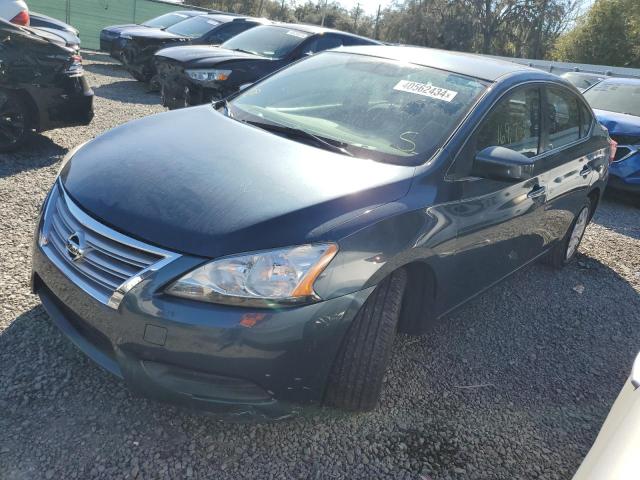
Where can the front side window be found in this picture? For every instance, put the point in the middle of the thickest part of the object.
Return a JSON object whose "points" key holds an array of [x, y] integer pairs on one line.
{"points": [[378, 109], [324, 42], [194, 27], [267, 41], [514, 123], [228, 30], [563, 118]]}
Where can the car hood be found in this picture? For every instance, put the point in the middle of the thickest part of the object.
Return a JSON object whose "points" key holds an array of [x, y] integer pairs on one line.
{"points": [[619, 123], [153, 33], [205, 54], [122, 28], [70, 39], [198, 182]]}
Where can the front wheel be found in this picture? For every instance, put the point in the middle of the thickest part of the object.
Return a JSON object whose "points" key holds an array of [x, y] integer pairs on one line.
{"points": [[566, 250], [356, 378]]}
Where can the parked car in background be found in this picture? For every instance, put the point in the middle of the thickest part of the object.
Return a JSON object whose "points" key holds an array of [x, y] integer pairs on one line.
{"points": [[42, 85], [356, 192], [194, 75], [111, 37], [583, 80], [40, 20], [614, 455], [14, 11], [139, 47], [56, 27], [616, 103]]}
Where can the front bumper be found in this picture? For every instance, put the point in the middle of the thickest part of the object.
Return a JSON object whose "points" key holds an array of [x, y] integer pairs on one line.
{"points": [[625, 174], [198, 354]]}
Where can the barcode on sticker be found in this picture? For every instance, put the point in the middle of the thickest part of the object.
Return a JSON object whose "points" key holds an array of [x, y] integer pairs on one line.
{"points": [[427, 90]]}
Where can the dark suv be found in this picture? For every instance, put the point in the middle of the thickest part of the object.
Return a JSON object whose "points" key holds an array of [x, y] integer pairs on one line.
{"points": [[263, 251]]}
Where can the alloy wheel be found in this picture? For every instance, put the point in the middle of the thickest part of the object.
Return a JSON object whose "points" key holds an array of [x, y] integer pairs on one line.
{"points": [[578, 231]]}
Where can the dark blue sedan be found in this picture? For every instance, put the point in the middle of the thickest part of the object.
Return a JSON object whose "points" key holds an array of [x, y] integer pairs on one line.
{"points": [[616, 103], [262, 251]]}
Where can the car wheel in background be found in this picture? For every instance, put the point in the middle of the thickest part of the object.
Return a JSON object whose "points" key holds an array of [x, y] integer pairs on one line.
{"points": [[566, 250], [356, 378], [15, 124]]}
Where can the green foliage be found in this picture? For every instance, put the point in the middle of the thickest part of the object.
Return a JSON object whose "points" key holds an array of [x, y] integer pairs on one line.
{"points": [[608, 34]]}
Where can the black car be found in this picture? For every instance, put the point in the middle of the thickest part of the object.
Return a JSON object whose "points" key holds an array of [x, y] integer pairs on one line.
{"points": [[111, 37], [139, 47], [54, 26], [262, 252], [199, 74], [583, 80], [42, 85], [40, 20]]}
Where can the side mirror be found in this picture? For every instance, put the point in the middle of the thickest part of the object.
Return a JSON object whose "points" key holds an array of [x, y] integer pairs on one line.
{"points": [[500, 163]]}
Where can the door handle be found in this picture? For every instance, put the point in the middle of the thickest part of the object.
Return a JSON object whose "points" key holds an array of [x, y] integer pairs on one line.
{"points": [[537, 191], [586, 170]]}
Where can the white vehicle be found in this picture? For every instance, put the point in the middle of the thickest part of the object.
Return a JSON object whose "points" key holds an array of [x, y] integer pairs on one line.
{"points": [[615, 455], [14, 11]]}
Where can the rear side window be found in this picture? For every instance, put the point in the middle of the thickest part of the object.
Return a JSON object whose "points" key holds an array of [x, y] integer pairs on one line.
{"points": [[514, 123], [563, 118]]}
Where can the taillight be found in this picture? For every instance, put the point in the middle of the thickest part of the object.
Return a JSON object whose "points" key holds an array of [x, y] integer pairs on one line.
{"points": [[22, 19], [612, 150]]}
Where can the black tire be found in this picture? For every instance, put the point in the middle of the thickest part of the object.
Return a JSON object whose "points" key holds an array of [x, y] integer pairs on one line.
{"points": [[558, 257], [356, 377], [15, 121]]}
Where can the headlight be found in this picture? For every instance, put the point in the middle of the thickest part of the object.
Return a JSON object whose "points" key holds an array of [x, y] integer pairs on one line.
{"points": [[208, 75], [282, 276]]}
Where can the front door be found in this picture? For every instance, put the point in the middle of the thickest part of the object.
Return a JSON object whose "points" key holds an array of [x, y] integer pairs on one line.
{"points": [[499, 222]]}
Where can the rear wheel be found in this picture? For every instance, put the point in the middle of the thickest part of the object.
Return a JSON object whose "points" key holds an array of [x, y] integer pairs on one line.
{"points": [[356, 378], [15, 124], [566, 250]]}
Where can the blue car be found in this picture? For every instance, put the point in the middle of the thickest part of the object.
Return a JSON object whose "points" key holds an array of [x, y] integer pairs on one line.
{"points": [[616, 103]]}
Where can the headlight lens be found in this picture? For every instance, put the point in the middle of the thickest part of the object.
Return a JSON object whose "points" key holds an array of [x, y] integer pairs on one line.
{"points": [[279, 276], [209, 75]]}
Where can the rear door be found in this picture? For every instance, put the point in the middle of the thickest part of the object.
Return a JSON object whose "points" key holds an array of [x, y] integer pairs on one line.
{"points": [[567, 163]]}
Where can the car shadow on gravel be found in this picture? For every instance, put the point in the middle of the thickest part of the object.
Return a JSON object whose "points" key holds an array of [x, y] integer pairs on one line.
{"points": [[128, 92], [108, 70], [40, 151], [527, 370]]}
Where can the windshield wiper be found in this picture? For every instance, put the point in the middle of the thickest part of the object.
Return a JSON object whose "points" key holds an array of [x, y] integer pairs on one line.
{"points": [[298, 132], [244, 51]]}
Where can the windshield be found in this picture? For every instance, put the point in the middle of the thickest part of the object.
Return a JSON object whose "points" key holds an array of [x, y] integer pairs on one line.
{"points": [[375, 108], [615, 97], [267, 41], [166, 20], [194, 27], [582, 81]]}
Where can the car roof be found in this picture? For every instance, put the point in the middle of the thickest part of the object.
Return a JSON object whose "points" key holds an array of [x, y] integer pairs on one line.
{"points": [[620, 81], [585, 74], [315, 29], [222, 17], [469, 64]]}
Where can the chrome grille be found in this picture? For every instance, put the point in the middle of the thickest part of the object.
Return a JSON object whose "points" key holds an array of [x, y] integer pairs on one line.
{"points": [[101, 261]]}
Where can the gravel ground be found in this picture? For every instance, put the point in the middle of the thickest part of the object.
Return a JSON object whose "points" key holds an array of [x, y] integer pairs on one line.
{"points": [[514, 385]]}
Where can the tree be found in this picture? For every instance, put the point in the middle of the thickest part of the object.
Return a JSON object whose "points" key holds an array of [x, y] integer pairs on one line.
{"points": [[608, 34]]}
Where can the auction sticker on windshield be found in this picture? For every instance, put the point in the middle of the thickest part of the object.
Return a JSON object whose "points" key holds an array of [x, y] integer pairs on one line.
{"points": [[427, 90]]}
